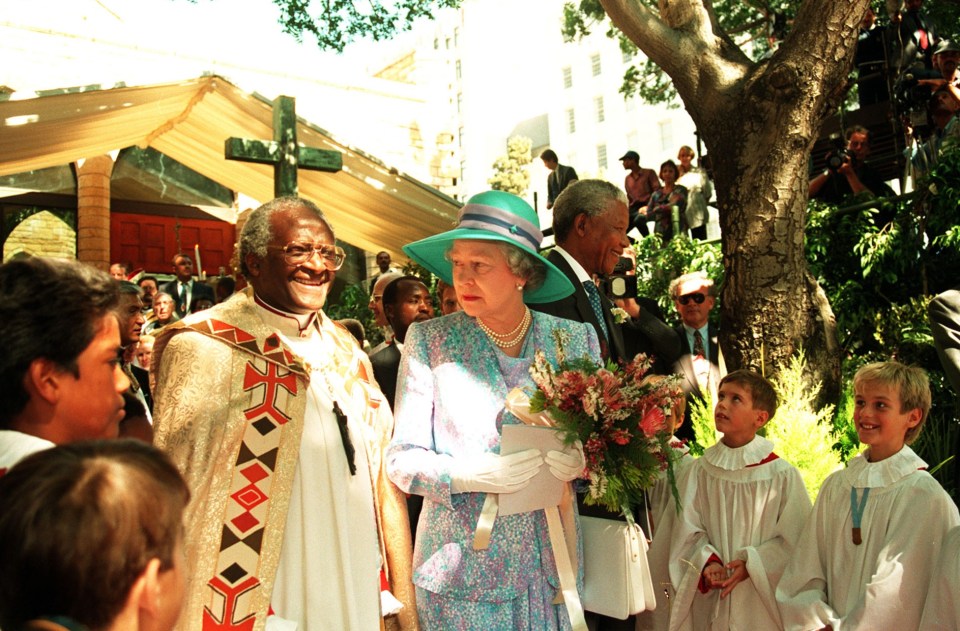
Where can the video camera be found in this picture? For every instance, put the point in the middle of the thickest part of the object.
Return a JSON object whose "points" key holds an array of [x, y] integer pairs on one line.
{"points": [[911, 101], [619, 284]]}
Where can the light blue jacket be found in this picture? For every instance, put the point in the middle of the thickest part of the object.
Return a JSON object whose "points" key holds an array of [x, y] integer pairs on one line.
{"points": [[451, 391]]}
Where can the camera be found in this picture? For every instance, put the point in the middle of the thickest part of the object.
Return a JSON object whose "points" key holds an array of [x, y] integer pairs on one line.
{"points": [[839, 155], [619, 284], [911, 101]]}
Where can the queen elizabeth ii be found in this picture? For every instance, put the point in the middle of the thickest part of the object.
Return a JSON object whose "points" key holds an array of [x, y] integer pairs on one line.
{"points": [[452, 387]]}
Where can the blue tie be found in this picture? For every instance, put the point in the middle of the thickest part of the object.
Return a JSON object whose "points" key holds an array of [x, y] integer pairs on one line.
{"points": [[594, 297]]}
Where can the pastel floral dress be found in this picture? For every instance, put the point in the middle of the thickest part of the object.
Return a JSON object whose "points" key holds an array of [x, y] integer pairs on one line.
{"points": [[451, 390]]}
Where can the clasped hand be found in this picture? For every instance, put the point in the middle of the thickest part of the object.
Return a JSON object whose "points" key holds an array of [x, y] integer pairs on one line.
{"points": [[726, 577]]}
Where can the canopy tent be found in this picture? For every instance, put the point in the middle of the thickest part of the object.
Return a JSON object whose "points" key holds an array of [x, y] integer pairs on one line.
{"points": [[369, 205]]}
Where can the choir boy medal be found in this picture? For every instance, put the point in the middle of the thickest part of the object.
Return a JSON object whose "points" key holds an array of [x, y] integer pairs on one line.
{"points": [[856, 508]]}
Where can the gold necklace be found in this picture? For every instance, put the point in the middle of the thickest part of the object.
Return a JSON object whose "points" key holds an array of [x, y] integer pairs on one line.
{"points": [[514, 337]]}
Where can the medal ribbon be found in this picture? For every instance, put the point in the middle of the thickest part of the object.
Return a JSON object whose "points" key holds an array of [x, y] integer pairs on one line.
{"points": [[856, 508]]}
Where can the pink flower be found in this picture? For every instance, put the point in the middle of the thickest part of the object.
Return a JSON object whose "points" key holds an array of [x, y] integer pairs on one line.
{"points": [[620, 436], [653, 421], [593, 451], [611, 391], [571, 387]]}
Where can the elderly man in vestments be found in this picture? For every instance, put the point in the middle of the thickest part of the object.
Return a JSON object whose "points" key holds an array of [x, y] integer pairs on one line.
{"points": [[279, 429]]}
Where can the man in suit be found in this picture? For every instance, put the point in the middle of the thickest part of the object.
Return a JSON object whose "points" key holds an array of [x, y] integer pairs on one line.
{"points": [[561, 176], [376, 305], [590, 222], [944, 312], [700, 362], [183, 288], [405, 300], [590, 226], [131, 321]]}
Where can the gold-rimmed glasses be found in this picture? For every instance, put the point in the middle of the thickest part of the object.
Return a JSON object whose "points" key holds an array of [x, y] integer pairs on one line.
{"points": [[300, 253]]}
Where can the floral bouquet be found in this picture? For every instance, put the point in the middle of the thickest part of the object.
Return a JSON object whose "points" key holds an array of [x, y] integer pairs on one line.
{"points": [[619, 416]]}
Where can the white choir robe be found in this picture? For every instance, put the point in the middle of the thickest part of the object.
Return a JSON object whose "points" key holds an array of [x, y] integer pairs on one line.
{"points": [[737, 507], [663, 515], [941, 612], [881, 583]]}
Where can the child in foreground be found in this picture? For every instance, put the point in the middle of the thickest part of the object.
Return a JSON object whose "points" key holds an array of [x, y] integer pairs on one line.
{"points": [[866, 555], [743, 508], [663, 515]]}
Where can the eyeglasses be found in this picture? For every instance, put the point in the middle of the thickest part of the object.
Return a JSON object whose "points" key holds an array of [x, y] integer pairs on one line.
{"points": [[686, 298], [300, 253]]}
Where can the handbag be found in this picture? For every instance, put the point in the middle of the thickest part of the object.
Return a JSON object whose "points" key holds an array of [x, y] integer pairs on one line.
{"points": [[616, 575]]}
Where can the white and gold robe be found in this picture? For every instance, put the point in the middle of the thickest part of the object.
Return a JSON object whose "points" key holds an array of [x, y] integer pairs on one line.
{"points": [[238, 406]]}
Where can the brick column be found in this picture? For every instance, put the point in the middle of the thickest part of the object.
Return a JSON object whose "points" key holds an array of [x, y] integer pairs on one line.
{"points": [[93, 211]]}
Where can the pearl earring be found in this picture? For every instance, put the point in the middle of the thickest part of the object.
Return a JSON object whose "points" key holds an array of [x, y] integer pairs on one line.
{"points": [[519, 287]]}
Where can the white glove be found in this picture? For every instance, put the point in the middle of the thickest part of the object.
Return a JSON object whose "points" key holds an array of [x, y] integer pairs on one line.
{"points": [[567, 465], [493, 473]]}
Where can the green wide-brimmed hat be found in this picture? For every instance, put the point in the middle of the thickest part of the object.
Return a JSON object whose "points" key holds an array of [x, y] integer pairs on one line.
{"points": [[493, 216]]}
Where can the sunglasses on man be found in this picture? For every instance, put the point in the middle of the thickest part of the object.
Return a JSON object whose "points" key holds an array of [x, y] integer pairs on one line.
{"points": [[697, 297]]}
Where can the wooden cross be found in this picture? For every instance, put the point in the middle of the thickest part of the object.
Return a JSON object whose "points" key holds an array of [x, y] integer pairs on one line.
{"points": [[283, 152]]}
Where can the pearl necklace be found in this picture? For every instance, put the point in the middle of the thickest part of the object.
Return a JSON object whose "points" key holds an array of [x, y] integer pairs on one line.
{"points": [[514, 337]]}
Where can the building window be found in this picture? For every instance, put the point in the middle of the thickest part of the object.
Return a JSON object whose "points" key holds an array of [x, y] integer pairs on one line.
{"points": [[460, 103], [571, 122], [627, 56], [598, 105], [633, 140], [460, 135], [459, 72], [602, 156], [631, 103], [567, 78], [436, 43], [456, 36], [595, 64], [666, 135]]}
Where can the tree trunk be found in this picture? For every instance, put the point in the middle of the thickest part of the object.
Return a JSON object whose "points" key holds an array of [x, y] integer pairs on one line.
{"points": [[758, 121]]}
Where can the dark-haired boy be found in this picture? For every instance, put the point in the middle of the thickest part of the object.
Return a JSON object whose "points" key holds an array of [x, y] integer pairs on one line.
{"points": [[743, 508], [57, 384], [91, 537]]}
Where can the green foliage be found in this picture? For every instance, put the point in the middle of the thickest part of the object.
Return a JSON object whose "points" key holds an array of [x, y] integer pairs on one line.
{"points": [[802, 434], [748, 24], [354, 302], [658, 264], [879, 266], [646, 81], [336, 23], [510, 172], [704, 427], [847, 443]]}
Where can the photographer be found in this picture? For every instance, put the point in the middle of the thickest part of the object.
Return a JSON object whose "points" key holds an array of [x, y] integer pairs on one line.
{"points": [[942, 107], [847, 172], [645, 330]]}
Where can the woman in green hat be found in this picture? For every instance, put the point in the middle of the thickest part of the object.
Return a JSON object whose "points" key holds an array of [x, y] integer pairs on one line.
{"points": [[454, 378]]}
